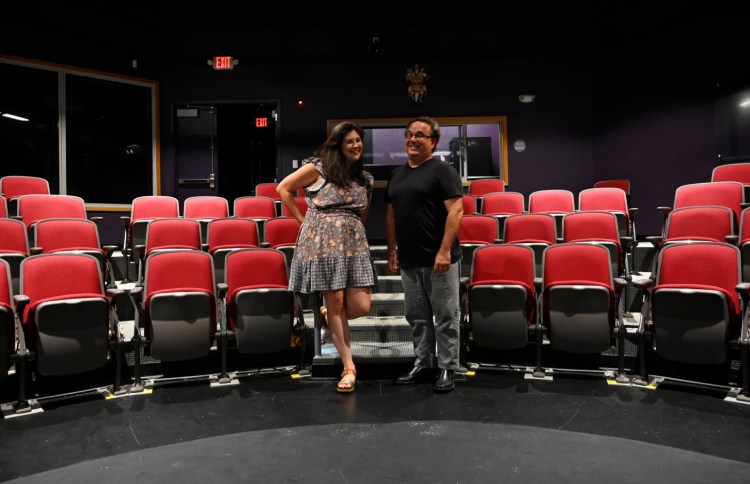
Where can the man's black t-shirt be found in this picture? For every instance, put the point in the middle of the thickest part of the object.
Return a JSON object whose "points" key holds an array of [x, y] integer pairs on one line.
{"points": [[418, 196]]}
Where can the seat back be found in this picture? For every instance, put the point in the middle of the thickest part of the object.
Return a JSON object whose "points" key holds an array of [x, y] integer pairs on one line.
{"points": [[736, 172], [536, 230], [179, 304], [227, 234], [69, 235], [255, 207], [502, 204], [301, 204], [7, 324], [469, 203], [281, 233], [267, 190], [578, 295], [67, 321], [173, 233], [502, 296], [14, 186], [143, 210], [708, 223], [482, 186], [3, 207], [695, 308], [205, 208], [595, 227], [554, 202], [474, 231], [621, 183], [260, 306], [149, 207], [14, 248], [33, 208], [725, 194], [610, 199]]}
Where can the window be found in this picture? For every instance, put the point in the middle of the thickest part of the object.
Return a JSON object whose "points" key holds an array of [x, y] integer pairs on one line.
{"points": [[90, 135], [475, 146]]}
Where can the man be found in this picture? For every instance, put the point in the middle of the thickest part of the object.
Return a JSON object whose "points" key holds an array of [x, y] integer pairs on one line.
{"points": [[423, 214]]}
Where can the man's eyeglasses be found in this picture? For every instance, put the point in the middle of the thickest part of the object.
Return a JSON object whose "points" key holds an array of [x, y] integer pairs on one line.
{"points": [[419, 136]]}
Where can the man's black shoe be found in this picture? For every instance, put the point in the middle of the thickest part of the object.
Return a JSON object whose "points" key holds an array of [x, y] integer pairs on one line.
{"points": [[417, 374], [444, 382]]}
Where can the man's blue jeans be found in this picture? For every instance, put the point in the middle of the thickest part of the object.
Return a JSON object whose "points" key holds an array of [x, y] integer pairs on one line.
{"points": [[432, 308]]}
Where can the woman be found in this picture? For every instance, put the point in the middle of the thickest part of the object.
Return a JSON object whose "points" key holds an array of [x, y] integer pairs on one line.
{"points": [[332, 254]]}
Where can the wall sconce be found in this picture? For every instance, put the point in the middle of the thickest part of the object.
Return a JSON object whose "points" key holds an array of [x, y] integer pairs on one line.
{"points": [[526, 98]]}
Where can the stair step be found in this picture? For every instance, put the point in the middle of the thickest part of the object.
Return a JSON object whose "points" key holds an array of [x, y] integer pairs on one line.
{"points": [[387, 304], [389, 284]]}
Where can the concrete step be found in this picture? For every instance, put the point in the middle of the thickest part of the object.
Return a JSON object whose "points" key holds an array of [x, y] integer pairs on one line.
{"points": [[389, 284], [387, 304]]}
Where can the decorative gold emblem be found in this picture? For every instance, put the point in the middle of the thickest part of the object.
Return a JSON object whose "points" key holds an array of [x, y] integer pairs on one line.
{"points": [[417, 88]]}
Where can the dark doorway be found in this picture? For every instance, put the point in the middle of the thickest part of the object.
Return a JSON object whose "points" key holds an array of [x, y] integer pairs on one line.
{"points": [[225, 149]]}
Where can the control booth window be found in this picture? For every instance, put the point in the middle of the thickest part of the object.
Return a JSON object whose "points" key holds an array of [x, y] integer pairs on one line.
{"points": [[475, 146]]}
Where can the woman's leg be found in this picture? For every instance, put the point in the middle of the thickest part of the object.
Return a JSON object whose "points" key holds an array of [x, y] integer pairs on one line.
{"points": [[338, 327], [357, 301]]}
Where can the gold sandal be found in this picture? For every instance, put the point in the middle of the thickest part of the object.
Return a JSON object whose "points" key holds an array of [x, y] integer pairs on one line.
{"points": [[348, 383]]}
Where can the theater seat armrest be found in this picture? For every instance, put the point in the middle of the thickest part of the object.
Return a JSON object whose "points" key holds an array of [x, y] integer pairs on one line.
{"points": [[656, 240], [732, 239], [644, 284], [221, 289]]}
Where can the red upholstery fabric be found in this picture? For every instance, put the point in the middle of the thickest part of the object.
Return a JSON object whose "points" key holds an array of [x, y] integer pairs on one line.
{"points": [[483, 186], [621, 183], [173, 233], [267, 190], [154, 206], [530, 227], [503, 203], [32, 208], [725, 194], [232, 233], [477, 229], [737, 172], [551, 201], [470, 204], [58, 276], [13, 186], [301, 204], [281, 231], [206, 207], [699, 223], [54, 235], [13, 237], [255, 207]]}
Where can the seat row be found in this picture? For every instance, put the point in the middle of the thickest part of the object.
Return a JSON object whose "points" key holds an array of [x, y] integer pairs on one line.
{"points": [[54, 235], [695, 314], [64, 321]]}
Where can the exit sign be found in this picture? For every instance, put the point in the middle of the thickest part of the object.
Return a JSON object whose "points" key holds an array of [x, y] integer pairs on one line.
{"points": [[223, 63], [261, 122]]}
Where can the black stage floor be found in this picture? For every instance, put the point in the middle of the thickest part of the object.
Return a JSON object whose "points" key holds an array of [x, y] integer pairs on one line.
{"points": [[495, 426]]}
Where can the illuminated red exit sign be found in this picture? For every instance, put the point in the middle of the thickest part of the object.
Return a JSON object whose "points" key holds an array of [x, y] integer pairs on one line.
{"points": [[261, 122], [223, 63]]}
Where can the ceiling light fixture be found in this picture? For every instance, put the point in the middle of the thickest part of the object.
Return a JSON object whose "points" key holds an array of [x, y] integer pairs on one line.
{"points": [[13, 116]]}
